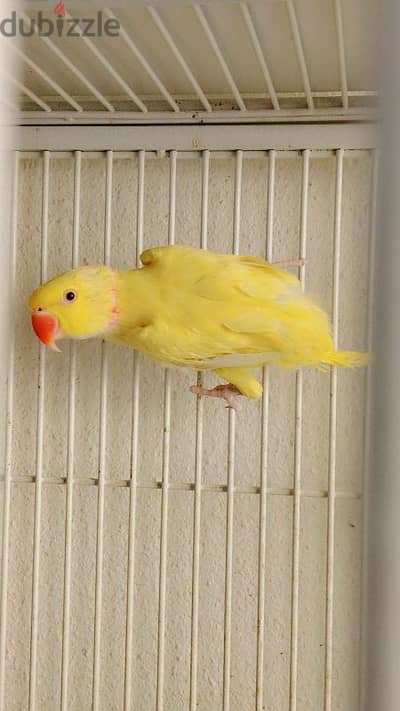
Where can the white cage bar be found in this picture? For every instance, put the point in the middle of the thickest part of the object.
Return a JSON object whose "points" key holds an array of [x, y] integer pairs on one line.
{"points": [[165, 471], [298, 451], [8, 443], [199, 101], [134, 463], [102, 457], [39, 451], [71, 455], [208, 156]]}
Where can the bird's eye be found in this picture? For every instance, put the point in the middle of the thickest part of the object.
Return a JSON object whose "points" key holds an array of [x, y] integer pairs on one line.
{"points": [[70, 296]]}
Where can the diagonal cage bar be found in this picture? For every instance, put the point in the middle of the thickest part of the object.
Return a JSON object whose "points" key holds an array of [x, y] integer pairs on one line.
{"points": [[145, 64], [259, 54], [47, 78], [25, 90], [221, 59], [71, 66], [300, 52], [179, 56], [341, 52], [110, 69]]}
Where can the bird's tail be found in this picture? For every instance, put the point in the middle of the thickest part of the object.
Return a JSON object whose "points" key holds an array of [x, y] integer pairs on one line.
{"points": [[345, 359]]}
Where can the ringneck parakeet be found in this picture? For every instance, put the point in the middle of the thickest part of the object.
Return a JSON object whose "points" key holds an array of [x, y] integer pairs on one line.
{"points": [[187, 307]]}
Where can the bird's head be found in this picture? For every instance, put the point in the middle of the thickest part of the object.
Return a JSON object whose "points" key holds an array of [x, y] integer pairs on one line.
{"points": [[82, 303]]}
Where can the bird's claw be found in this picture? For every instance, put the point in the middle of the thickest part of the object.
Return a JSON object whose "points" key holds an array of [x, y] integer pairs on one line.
{"points": [[290, 263], [228, 392]]}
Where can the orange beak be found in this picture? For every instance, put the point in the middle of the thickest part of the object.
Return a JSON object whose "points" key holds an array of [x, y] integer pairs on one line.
{"points": [[46, 328]]}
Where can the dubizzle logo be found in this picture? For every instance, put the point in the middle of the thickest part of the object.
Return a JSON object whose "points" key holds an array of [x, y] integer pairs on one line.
{"points": [[59, 9], [62, 26]]}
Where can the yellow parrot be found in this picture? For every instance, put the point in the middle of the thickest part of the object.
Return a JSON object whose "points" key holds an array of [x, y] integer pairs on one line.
{"points": [[187, 307]]}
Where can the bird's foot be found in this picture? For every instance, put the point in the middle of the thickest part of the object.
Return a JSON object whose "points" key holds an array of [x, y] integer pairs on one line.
{"points": [[290, 263], [228, 392]]}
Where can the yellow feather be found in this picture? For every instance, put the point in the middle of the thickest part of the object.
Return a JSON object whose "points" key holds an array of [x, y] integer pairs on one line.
{"points": [[208, 311]]}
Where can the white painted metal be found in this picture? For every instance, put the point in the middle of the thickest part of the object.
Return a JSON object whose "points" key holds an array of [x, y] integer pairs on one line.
{"points": [[332, 436], [165, 471], [297, 456], [110, 69], [371, 328], [260, 55], [224, 66], [129, 645], [231, 471], [71, 66], [293, 116], [36, 99], [262, 544], [102, 460], [39, 451], [203, 145], [198, 485], [341, 52], [195, 138], [254, 16], [142, 59], [168, 38], [70, 459], [8, 445], [45, 76], [300, 52]]}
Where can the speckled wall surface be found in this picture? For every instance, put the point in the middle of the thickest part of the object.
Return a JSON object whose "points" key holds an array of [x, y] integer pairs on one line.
{"points": [[281, 447]]}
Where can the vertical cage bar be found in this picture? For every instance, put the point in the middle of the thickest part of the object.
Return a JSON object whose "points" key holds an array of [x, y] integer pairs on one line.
{"points": [[39, 452], [134, 462], [102, 460], [9, 433], [297, 456], [368, 429], [262, 543], [70, 457], [198, 471], [231, 473], [332, 436], [165, 472]]}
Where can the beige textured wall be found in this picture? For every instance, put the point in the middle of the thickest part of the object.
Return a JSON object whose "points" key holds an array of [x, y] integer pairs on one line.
{"points": [[281, 442]]}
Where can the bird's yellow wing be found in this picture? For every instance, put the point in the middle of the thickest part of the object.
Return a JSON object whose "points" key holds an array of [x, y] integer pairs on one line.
{"points": [[211, 310]]}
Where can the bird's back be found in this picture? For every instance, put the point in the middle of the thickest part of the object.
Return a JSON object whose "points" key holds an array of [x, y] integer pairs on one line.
{"points": [[204, 307]]}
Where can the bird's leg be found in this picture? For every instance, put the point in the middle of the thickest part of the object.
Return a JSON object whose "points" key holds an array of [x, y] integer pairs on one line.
{"points": [[290, 263], [227, 391]]}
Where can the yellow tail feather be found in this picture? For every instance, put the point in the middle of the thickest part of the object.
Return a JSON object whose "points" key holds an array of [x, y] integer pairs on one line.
{"points": [[346, 359]]}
